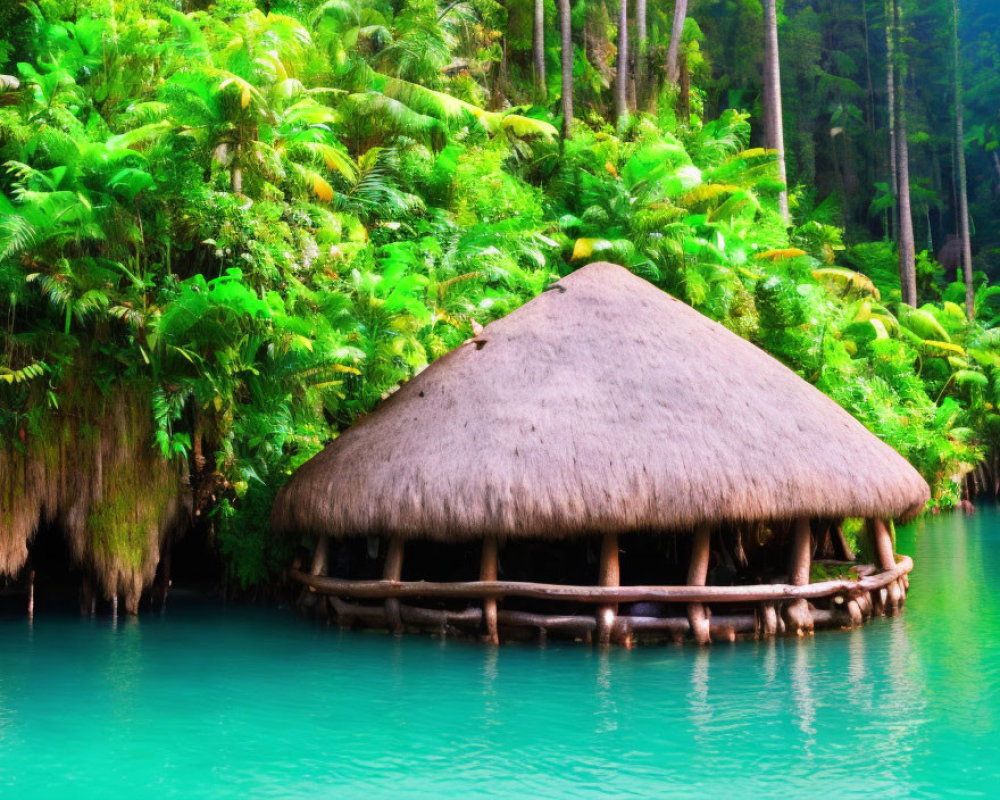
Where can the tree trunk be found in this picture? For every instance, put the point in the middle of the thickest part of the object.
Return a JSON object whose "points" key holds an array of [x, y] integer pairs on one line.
{"points": [[676, 34], [773, 116], [621, 71], [871, 122], [697, 575], [907, 245], [684, 93], [538, 52], [963, 186], [890, 88], [566, 39], [641, 43]]}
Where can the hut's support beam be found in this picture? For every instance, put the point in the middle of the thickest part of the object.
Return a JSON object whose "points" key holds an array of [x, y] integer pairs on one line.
{"points": [[885, 559], [488, 572], [841, 549], [882, 543], [797, 614], [608, 576], [768, 620], [320, 555], [393, 571], [697, 576]]}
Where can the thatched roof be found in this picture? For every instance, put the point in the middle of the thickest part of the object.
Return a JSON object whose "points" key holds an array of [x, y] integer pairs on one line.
{"points": [[604, 404]]}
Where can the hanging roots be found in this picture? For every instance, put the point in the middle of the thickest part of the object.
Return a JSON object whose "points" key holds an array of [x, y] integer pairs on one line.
{"points": [[91, 469]]}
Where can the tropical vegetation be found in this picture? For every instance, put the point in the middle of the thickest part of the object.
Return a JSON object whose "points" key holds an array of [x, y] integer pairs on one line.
{"points": [[228, 230]]}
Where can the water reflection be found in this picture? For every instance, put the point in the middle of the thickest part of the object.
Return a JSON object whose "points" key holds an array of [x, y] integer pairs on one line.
{"points": [[860, 689], [251, 702], [607, 705], [802, 691]]}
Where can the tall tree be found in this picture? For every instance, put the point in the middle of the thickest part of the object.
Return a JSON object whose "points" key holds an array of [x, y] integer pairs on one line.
{"points": [[674, 48], [890, 89], [566, 59], [641, 43], [621, 73], [773, 116], [538, 52], [905, 241], [963, 186]]}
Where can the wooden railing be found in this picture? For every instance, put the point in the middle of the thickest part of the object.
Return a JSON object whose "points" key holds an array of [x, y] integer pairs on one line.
{"points": [[850, 602]]}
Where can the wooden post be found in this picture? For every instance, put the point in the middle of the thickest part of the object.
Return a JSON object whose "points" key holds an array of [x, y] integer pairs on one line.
{"points": [[841, 548], [488, 572], [319, 556], [393, 571], [608, 576], [881, 543], [878, 529], [854, 613], [768, 620], [797, 613], [31, 594], [697, 575]]}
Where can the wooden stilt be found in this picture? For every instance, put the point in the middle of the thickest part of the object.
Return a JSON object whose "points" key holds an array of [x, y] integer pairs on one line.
{"points": [[393, 571], [885, 559], [841, 549], [320, 555], [768, 620], [488, 572], [697, 575], [881, 543], [608, 576], [824, 541], [797, 614], [114, 605]]}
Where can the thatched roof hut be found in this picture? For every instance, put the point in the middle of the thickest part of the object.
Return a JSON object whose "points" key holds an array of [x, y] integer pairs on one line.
{"points": [[603, 406]]}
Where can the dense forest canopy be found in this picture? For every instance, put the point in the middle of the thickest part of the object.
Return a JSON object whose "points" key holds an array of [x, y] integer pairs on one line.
{"points": [[227, 230]]}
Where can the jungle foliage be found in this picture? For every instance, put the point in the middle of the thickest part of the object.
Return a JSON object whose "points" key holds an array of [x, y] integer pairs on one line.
{"points": [[257, 219]]}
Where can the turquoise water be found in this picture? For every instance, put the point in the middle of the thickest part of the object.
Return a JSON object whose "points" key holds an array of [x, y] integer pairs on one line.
{"points": [[247, 702]]}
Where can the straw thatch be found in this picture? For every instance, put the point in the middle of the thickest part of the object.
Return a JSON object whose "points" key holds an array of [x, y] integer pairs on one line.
{"points": [[603, 405]]}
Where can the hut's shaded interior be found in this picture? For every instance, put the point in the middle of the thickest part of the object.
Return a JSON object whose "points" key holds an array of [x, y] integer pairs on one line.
{"points": [[606, 464]]}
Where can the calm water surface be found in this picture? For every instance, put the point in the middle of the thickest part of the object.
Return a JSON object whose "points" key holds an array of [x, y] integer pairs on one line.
{"points": [[212, 702]]}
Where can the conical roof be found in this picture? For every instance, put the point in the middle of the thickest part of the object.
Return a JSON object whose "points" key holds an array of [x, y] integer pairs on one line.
{"points": [[602, 405]]}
